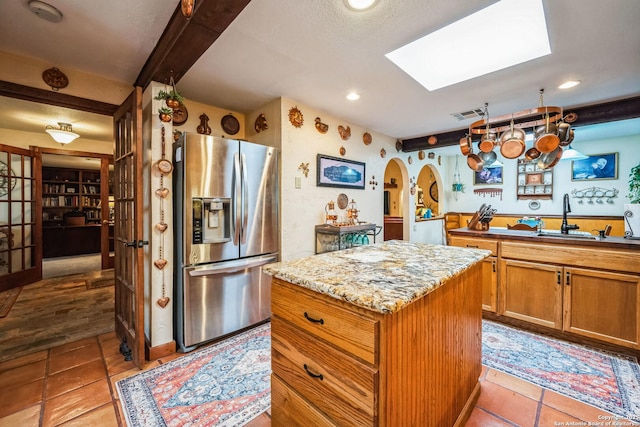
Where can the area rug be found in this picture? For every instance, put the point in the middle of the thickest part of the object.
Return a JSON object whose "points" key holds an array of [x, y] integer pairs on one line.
{"points": [[7, 299], [606, 380], [226, 384]]}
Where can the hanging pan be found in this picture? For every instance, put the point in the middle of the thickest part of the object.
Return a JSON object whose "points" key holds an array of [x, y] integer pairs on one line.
{"points": [[512, 142], [475, 162], [488, 158], [465, 145], [487, 142], [549, 160], [532, 153], [546, 137]]}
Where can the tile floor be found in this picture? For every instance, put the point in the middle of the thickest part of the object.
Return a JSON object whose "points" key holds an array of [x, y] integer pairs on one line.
{"points": [[74, 385]]}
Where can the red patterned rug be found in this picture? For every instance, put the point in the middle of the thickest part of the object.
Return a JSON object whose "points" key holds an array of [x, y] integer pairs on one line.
{"points": [[226, 384], [606, 380]]}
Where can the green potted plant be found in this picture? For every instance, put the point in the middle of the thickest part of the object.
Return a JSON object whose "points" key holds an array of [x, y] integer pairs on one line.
{"points": [[165, 114], [632, 210], [172, 98]]}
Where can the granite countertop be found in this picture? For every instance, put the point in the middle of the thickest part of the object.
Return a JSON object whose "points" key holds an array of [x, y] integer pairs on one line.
{"points": [[383, 277]]}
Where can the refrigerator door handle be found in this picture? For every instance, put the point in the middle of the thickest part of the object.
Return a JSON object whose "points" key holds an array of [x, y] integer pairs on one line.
{"points": [[232, 267], [245, 199], [237, 191]]}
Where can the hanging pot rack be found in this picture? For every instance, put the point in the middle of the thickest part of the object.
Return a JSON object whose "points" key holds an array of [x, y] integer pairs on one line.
{"points": [[522, 120]]}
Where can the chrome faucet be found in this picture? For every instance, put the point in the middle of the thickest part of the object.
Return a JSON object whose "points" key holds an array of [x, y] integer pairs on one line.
{"points": [[566, 208]]}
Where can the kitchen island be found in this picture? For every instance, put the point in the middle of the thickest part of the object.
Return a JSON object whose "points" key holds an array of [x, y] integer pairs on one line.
{"points": [[379, 335]]}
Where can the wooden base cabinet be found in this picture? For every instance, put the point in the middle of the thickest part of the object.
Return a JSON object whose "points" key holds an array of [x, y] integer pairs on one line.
{"points": [[602, 305], [490, 284], [336, 364], [531, 292]]}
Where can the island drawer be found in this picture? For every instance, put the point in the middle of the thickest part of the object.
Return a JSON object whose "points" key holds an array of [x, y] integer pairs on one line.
{"points": [[350, 329], [337, 384], [470, 242], [293, 409]]}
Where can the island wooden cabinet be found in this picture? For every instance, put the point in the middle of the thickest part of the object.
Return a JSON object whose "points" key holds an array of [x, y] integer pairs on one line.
{"points": [[490, 268], [336, 364]]}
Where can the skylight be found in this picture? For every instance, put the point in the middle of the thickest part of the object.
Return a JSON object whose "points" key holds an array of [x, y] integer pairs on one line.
{"points": [[502, 35]]}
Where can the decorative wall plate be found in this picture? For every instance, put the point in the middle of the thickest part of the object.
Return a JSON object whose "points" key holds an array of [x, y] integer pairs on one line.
{"points": [[420, 155], [534, 205], [55, 78], [398, 145], [383, 152], [432, 140], [230, 124], [187, 8], [260, 123], [180, 115], [343, 151], [366, 138], [295, 117], [410, 160]]}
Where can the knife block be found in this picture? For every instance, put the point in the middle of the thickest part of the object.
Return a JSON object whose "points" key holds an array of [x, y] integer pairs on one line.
{"points": [[475, 224]]}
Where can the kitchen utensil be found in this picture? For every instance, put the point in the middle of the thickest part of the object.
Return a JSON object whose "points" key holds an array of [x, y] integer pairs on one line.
{"points": [[563, 133], [475, 162], [549, 160], [512, 142], [487, 142], [546, 137], [488, 158], [532, 153], [465, 145]]}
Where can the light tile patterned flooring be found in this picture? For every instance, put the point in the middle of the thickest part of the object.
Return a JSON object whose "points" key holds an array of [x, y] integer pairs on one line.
{"points": [[73, 384]]}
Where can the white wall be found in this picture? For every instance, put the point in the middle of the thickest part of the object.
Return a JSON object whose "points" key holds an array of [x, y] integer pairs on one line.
{"points": [[628, 148]]}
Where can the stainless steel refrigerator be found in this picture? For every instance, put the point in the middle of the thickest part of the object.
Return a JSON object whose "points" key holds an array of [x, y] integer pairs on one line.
{"points": [[226, 229]]}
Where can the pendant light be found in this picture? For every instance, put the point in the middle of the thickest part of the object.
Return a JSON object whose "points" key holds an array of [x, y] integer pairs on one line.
{"points": [[572, 154], [64, 135]]}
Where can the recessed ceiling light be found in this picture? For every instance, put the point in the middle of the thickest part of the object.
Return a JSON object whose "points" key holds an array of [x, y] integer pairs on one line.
{"points": [[352, 96], [569, 84], [504, 34], [360, 4]]}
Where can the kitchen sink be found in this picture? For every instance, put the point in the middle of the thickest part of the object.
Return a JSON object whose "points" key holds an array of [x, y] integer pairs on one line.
{"points": [[574, 235]]}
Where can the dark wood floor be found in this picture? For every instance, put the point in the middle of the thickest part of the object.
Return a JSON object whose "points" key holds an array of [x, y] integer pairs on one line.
{"points": [[57, 311]]}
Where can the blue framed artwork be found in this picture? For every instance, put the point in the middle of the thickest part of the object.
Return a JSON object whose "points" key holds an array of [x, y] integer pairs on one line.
{"points": [[595, 167], [342, 173]]}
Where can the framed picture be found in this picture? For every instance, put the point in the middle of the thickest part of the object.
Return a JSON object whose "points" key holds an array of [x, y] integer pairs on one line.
{"points": [[595, 167], [337, 172], [488, 176]]}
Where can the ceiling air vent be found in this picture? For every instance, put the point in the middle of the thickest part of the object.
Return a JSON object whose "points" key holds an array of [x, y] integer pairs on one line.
{"points": [[464, 115]]}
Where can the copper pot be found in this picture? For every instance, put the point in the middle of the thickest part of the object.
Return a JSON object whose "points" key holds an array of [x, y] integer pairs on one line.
{"points": [[512, 142], [465, 145], [487, 142], [549, 160], [532, 153], [546, 138], [475, 162]]}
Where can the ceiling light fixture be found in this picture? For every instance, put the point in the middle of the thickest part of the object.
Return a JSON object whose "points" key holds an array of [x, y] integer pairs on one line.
{"points": [[569, 84], [64, 135], [353, 96], [360, 4], [45, 11], [518, 34]]}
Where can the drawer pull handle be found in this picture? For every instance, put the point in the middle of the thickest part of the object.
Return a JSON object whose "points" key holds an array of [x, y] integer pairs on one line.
{"points": [[312, 375], [311, 319], [472, 246]]}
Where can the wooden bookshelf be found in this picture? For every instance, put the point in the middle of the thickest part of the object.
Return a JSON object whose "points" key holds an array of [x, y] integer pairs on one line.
{"points": [[67, 190]]}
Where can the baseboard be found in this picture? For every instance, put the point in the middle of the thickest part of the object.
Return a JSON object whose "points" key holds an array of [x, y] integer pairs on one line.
{"points": [[155, 353], [468, 407]]}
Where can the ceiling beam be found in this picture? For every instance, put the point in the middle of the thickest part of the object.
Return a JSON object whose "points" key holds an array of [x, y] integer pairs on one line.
{"points": [[185, 40], [27, 93], [623, 109]]}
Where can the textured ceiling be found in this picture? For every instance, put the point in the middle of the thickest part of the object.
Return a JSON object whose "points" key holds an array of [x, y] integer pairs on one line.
{"points": [[316, 52]]}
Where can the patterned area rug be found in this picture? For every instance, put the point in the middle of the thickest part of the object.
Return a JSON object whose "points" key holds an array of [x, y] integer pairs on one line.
{"points": [[7, 299], [602, 379], [226, 384]]}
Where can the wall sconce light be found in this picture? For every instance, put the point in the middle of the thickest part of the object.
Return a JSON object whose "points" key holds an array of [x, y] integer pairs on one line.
{"points": [[64, 135]]}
